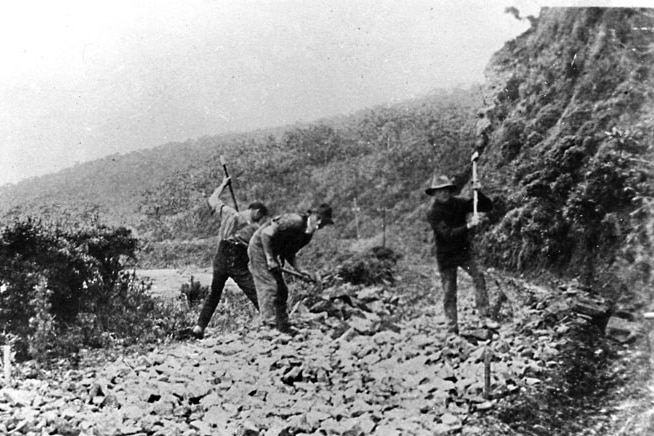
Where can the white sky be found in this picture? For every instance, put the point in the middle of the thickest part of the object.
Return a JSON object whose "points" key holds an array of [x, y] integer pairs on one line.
{"points": [[83, 79]]}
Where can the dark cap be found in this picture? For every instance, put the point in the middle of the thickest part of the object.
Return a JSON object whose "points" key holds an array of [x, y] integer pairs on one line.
{"points": [[325, 213], [440, 182]]}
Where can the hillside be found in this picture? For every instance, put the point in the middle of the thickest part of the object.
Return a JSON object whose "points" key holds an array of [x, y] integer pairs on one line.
{"points": [[375, 156], [569, 146], [564, 122]]}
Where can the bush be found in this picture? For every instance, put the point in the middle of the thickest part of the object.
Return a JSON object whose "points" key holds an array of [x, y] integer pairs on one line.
{"points": [[62, 289], [372, 267], [194, 292]]}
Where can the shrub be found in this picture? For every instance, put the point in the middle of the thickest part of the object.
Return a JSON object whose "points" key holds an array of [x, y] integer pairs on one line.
{"points": [[62, 289], [375, 266], [194, 292]]}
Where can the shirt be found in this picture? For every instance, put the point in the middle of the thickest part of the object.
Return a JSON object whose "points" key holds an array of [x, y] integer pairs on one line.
{"points": [[288, 238], [448, 221], [234, 226]]}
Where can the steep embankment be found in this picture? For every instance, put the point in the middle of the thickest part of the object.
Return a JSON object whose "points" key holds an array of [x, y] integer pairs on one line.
{"points": [[568, 144]]}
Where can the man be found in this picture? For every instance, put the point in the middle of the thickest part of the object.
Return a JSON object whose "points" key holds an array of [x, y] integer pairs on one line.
{"points": [[231, 260], [274, 243], [447, 217]]}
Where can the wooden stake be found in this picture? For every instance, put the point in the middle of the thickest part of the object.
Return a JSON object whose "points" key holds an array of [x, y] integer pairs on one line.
{"points": [[384, 227], [475, 197], [7, 362], [487, 372]]}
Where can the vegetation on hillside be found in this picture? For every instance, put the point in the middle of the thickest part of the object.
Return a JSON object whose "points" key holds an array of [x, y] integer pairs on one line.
{"points": [[381, 158], [570, 144]]}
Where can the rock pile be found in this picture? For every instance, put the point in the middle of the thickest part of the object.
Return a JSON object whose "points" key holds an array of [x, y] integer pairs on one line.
{"points": [[352, 370]]}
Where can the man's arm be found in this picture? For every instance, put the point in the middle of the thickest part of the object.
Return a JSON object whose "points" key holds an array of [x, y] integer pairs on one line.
{"points": [[266, 240], [446, 232], [442, 229], [216, 204]]}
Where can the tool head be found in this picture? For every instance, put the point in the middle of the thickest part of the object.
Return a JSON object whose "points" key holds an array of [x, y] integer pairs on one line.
{"points": [[475, 156], [222, 160]]}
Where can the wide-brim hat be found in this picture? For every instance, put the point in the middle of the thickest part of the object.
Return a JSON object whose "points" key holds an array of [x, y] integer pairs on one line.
{"points": [[325, 213], [440, 182]]}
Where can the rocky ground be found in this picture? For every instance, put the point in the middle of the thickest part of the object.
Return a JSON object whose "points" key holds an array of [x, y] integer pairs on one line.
{"points": [[361, 364]]}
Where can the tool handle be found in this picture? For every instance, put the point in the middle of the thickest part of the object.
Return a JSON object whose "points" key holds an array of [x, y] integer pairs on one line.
{"points": [[475, 196], [297, 274], [231, 190]]}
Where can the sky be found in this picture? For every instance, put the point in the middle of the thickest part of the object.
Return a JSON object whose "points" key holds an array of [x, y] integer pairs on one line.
{"points": [[84, 79]]}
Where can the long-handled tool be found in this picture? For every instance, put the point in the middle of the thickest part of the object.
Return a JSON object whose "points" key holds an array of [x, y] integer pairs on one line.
{"points": [[475, 196], [231, 191], [298, 275]]}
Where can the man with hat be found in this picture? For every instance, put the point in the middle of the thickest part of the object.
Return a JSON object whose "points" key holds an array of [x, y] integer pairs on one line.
{"points": [[274, 243], [448, 217], [231, 259]]}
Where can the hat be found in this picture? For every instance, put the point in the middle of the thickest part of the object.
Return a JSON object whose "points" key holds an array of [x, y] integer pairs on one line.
{"points": [[440, 182], [325, 213]]}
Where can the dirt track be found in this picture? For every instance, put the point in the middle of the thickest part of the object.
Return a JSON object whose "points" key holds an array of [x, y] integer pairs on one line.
{"points": [[167, 282]]}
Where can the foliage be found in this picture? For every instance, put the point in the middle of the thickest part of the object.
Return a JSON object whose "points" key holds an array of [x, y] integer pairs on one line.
{"points": [[375, 156], [375, 266], [63, 289], [568, 153], [194, 292]]}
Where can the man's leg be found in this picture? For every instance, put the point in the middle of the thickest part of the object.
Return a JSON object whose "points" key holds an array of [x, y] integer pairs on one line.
{"points": [[264, 282], [448, 283], [243, 278], [281, 299], [481, 295], [217, 284]]}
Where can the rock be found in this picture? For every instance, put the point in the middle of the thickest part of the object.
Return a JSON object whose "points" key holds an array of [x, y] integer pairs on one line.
{"points": [[17, 397], [450, 419], [387, 430], [248, 429], [477, 334], [622, 330], [440, 428]]}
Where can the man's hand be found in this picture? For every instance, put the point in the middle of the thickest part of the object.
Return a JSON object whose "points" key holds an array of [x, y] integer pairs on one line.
{"points": [[273, 265], [476, 186], [226, 181], [475, 220], [314, 277]]}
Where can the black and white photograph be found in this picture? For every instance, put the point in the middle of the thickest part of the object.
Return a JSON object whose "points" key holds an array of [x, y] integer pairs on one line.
{"points": [[327, 218]]}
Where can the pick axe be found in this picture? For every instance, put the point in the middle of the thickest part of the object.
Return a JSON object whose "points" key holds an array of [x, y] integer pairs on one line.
{"points": [[475, 197], [231, 191], [298, 275]]}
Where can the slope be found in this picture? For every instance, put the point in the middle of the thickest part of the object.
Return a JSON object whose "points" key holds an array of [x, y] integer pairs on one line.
{"points": [[568, 141]]}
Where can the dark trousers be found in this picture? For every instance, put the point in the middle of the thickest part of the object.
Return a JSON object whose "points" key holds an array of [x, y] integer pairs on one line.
{"points": [[448, 282], [231, 260]]}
